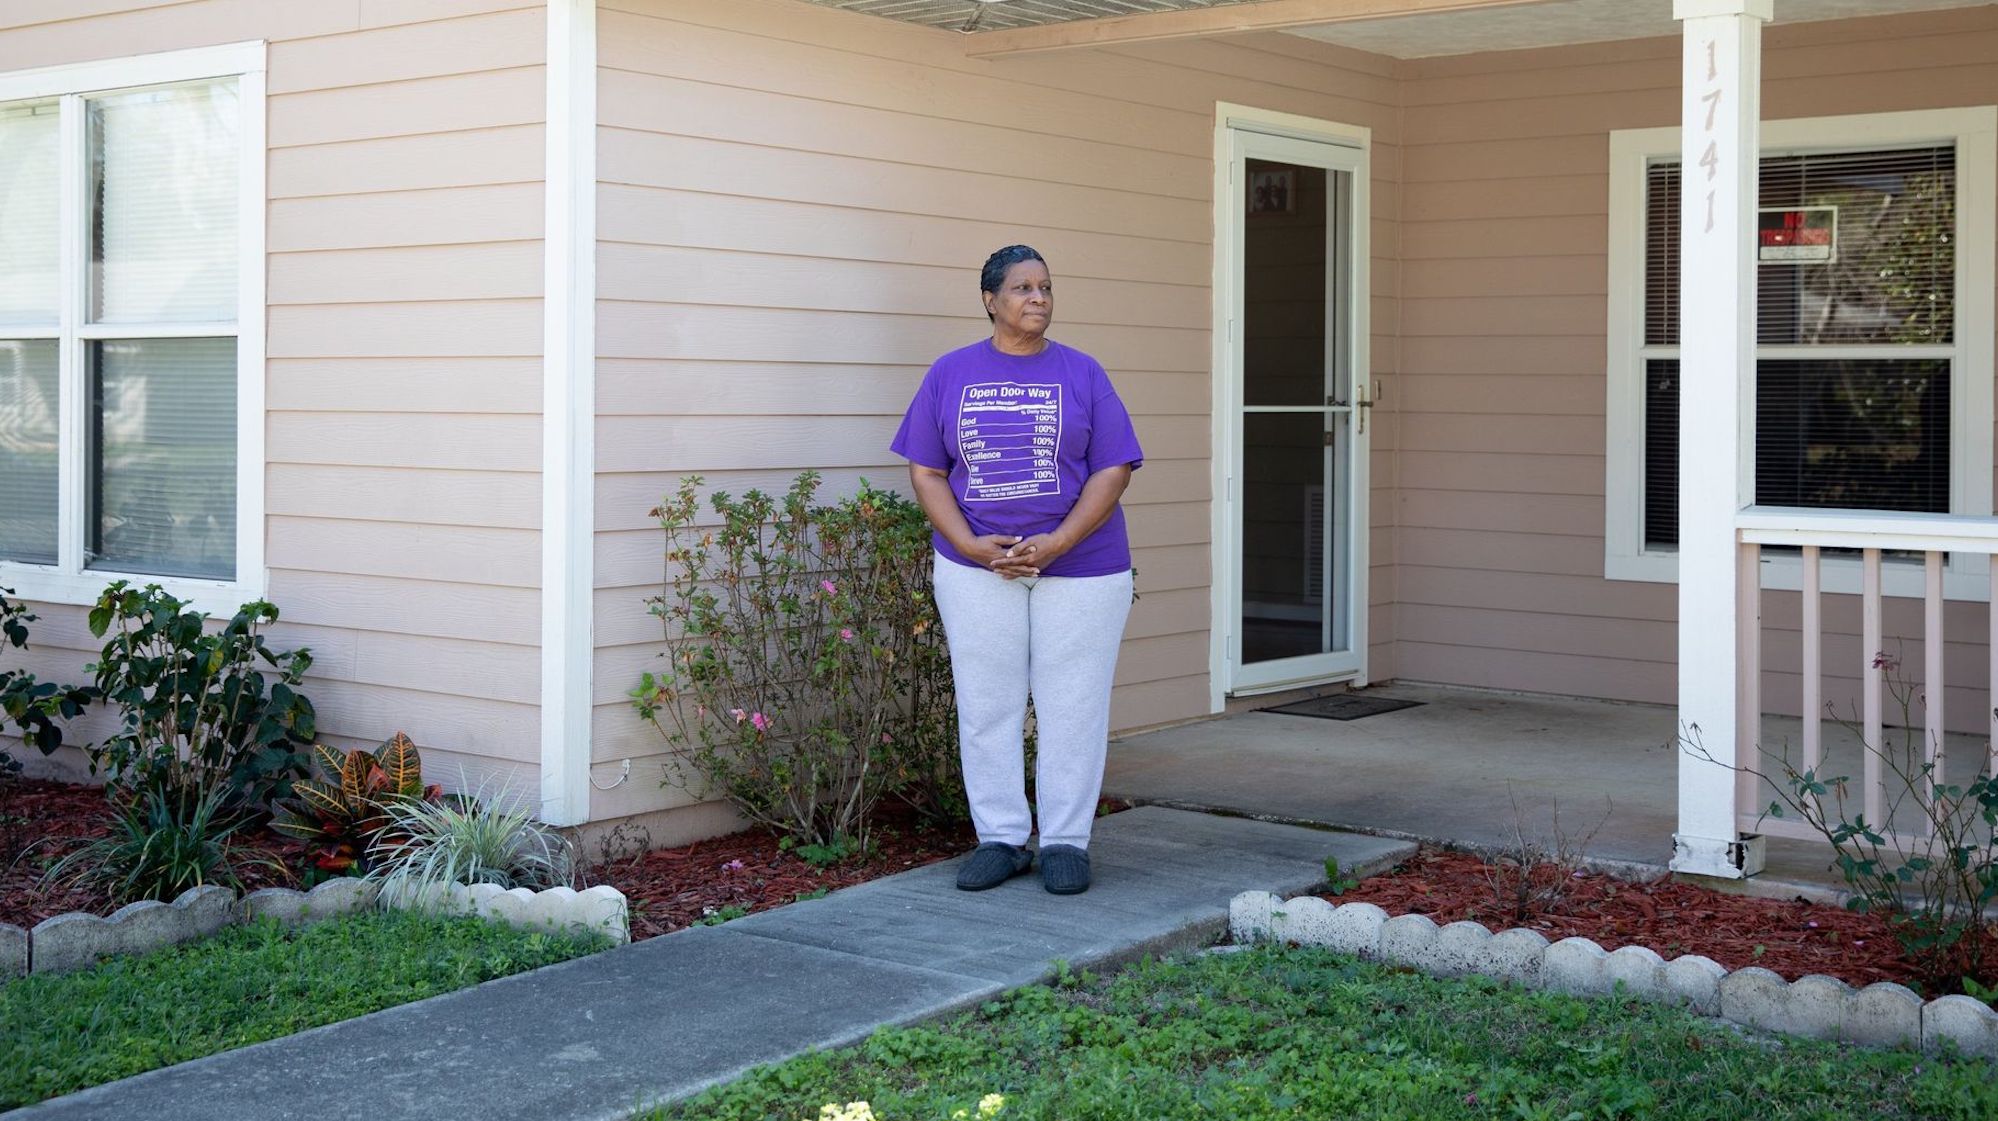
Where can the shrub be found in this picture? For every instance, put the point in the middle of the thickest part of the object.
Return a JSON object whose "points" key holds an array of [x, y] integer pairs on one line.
{"points": [[200, 708], [1934, 886], [36, 709], [467, 839], [162, 842], [343, 815], [808, 677]]}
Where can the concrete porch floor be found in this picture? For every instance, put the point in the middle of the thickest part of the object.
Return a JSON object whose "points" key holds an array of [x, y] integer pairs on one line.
{"points": [[1450, 769]]}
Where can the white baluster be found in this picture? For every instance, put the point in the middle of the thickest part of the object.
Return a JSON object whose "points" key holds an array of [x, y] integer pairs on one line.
{"points": [[1934, 685], [1814, 686], [1874, 801]]}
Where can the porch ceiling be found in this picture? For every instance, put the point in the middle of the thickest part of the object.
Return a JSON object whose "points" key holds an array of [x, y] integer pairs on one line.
{"points": [[1396, 28], [1000, 15], [1432, 34]]}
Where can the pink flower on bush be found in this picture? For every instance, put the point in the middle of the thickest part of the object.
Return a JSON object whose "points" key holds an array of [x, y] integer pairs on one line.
{"points": [[739, 715], [846, 634], [761, 721], [886, 738], [828, 587]]}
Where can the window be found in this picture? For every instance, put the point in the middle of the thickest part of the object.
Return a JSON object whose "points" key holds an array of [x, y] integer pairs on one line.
{"points": [[131, 341], [1872, 384]]}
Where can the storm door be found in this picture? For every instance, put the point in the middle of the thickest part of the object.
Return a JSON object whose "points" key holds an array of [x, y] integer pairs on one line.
{"points": [[1294, 557]]}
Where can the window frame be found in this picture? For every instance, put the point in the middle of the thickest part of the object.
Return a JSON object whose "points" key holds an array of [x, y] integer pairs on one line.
{"points": [[1974, 133], [69, 580]]}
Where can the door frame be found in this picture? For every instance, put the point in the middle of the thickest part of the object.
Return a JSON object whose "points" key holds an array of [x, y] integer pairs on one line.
{"points": [[1356, 144]]}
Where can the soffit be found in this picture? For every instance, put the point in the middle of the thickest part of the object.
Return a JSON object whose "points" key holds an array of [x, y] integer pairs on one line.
{"points": [[962, 15], [1475, 26], [1560, 22]]}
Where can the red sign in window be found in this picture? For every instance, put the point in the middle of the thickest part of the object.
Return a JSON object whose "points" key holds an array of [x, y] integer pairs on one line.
{"points": [[1797, 236]]}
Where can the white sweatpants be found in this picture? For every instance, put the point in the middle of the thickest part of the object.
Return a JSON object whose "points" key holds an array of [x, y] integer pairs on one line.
{"points": [[1054, 638]]}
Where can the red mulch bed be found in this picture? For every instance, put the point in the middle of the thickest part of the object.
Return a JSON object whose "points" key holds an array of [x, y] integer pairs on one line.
{"points": [[667, 888], [1792, 937], [40, 822]]}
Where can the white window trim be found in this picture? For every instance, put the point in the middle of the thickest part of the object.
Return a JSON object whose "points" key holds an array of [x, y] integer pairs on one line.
{"points": [[1974, 131], [68, 581]]}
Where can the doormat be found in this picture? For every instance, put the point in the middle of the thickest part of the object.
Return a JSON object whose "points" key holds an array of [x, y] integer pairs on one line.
{"points": [[1342, 706]]}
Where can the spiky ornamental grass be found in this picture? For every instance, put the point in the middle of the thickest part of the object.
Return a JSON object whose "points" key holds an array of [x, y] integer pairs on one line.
{"points": [[467, 839], [162, 842]]}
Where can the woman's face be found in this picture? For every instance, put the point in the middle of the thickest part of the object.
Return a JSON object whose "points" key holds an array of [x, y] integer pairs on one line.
{"points": [[1024, 303]]}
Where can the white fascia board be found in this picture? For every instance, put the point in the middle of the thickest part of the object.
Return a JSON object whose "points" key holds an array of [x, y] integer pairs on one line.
{"points": [[568, 446]]}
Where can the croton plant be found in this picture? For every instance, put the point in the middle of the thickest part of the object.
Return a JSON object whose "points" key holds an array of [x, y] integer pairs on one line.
{"points": [[340, 815]]}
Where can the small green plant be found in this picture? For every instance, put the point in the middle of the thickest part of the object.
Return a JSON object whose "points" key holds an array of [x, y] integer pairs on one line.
{"points": [[200, 708], [837, 851], [715, 916], [1336, 881], [343, 814], [807, 677], [36, 709], [163, 841], [467, 839], [815, 893]]}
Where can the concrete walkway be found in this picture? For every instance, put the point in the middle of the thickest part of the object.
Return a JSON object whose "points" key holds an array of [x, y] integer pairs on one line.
{"points": [[656, 1021], [1453, 770]]}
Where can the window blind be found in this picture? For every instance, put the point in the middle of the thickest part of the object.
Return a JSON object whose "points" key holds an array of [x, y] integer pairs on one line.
{"points": [[30, 247], [1890, 276], [164, 205], [28, 450], [1855, 249], [163, 457]]}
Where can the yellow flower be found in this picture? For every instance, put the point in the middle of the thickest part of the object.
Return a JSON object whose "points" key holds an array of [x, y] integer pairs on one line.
{"points": [[852, 1111], [991, 1104]]}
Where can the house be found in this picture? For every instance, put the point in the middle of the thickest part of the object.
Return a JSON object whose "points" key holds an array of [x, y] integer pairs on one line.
{"points": [[403, 313]]}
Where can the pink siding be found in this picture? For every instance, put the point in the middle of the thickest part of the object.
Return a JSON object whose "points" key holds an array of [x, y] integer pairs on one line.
{"points": [[793, 206], [1504, 264]]}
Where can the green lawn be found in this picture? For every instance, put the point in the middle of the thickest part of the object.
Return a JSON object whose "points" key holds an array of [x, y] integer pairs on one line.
{"points": [[61, 1033], [1269, 1033]]}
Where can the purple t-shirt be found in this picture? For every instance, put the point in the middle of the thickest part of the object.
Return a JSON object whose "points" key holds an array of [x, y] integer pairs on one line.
{"points": [[1019, 436]]}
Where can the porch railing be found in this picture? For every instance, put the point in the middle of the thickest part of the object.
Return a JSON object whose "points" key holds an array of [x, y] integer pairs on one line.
{"points": [[1869, 534]]}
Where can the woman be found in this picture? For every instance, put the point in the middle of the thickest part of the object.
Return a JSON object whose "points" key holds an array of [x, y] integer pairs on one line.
{"points": [[1018, 451]]}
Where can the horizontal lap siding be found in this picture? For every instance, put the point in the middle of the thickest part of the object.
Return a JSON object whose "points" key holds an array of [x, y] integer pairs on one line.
{"points": [[792, 207], [403, 377], [1503, 315]]}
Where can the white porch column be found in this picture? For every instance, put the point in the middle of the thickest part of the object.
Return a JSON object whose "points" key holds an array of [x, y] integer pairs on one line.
{"points": [[1720, 117], [568, 411]]}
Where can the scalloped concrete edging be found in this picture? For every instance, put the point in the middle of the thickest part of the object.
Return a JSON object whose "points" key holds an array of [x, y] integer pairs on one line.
{"points": [[600, 910], [1883, 1014], [78, 940]]}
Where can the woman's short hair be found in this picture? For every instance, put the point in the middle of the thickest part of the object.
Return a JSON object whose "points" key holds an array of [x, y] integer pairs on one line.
{"points": [[994, 273]]}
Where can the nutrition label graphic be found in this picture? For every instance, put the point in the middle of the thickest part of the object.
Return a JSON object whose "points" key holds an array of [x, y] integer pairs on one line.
{"points": [[1007, 435]]}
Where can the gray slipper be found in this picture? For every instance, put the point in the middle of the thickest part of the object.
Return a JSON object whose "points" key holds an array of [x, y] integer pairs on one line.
{"points": [[1064, 869], [992, 864]]}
